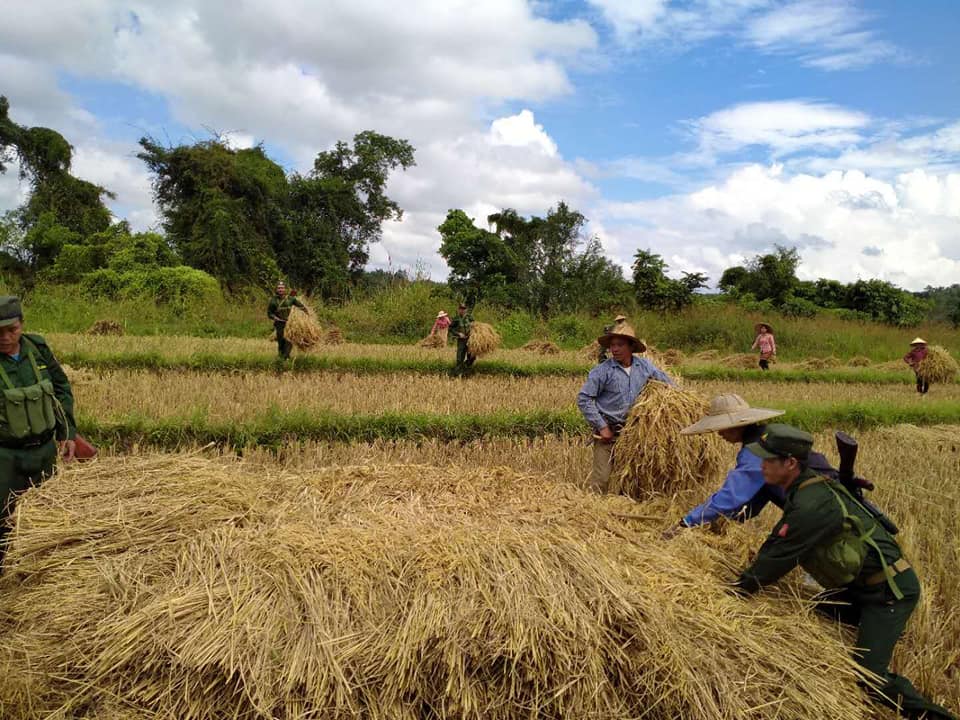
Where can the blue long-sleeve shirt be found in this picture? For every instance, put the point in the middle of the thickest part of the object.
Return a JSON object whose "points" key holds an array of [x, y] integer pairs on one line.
{"points": [[609, 392], [743, 487]]}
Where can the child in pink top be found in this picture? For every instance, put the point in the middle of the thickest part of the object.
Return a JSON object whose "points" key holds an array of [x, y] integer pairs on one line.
{"points": [[767, 344]]}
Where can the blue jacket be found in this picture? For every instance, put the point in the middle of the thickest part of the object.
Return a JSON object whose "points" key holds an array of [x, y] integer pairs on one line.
{"points": [[608, 394]]}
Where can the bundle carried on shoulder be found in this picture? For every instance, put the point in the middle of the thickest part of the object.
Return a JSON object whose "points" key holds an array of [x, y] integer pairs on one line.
{"points": [[483, 340], [938, 366], [651, 457], [302, 329], [432, 342]]}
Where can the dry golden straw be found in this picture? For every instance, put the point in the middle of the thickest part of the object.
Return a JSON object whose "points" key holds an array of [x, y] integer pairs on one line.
{"points": [[106, 327], [543, 347], [334, 336], [432, 341], [590, 351], [651, 457], [938, 366], [741, 360], [180, 587], [859, 361], [820, 363], [483, 340], [302, 329]]}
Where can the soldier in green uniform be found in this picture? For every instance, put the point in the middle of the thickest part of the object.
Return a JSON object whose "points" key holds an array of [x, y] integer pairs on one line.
{"points": [[36, 411], [460, 329], [279, 311], [825, 530]]}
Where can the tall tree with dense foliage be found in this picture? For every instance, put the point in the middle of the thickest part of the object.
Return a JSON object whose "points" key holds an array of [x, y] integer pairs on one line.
{"points": [[654, 290], [482, 266]]}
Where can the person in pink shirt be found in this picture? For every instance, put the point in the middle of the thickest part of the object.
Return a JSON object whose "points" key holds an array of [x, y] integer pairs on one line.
{"points": [[767, 344], [441, 326], [918, 351]]}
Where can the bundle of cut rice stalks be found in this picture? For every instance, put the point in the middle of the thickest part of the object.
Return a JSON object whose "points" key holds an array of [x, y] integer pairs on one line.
{"points": [[179, 587], [106, 327], [707, 355], [590, 352], [542, 347], [334, 336], [820, 363], [302, 329], [432, 341], [672, 356], [651, 457], [859, 361], [938, 366], [744, 361], [483, 340]]}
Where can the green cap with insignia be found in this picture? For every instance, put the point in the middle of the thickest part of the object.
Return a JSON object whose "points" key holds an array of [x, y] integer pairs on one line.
{"points": [[10, 310], [782, 441]]}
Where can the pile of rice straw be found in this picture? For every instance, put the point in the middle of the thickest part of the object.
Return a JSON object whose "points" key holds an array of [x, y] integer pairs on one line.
{"points": [[483, 340], [106, 327], [707, 355], [543, 347], [78, 376], [859, 361], [820, 363], [432, 341], [190, 588], [745, 361], [651, 457], [302, 329], [938, 366], [334, 336], [590, 352], [672, 356]]}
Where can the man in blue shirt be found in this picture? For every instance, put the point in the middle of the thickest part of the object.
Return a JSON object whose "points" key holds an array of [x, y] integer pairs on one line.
{"points": [[610, 391]]}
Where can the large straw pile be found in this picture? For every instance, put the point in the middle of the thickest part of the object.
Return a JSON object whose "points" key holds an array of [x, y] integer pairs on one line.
{"points": [[106, 327], [334, 336], [302, 329], [651, 457], [859, 361], [743, 361], [590, 352], [432, 341], [483, 340], [178, 587], [938, 366], [820, 363], [541, 347]]}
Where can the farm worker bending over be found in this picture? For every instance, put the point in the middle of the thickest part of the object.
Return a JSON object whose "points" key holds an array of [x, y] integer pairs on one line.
{"points": [[37, 410], [460, 327], [835, 539], [610, 391], [279, 311], [767, 344], [918, 352], [441, 326]]}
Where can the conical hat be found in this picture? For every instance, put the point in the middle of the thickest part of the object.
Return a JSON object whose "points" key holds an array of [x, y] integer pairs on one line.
{"points": [[619, 318], [442, 313], [729, 411], [918, 341], [765, 324], [625, 331]]}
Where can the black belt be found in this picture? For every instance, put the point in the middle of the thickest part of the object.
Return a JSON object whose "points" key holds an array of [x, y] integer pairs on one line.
{"points": [[28, 442]]}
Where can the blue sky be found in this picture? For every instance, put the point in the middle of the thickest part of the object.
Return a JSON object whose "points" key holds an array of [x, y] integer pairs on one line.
{"points": [[706, 130]]}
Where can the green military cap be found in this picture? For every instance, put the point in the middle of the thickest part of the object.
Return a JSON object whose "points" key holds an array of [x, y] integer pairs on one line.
{"points": [[782, 441], [10, 310]]}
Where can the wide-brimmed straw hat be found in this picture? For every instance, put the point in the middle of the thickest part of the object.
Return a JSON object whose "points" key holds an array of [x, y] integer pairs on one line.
{"points": [[623, 330], [442, 313], [619, 318], [729, 411], [918, 341], [759, 325]]}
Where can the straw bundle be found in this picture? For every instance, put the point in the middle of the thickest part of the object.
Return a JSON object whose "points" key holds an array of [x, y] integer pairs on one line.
{"points": [[432, 341], [542, 347], [707, 355], [859, 361], [651, 456], [483, 340], [672, 356], [302, 329], [938, 366], [741, 360], [590, 352], [106, 327], [820, 363], [334, 336], [178, 587]]}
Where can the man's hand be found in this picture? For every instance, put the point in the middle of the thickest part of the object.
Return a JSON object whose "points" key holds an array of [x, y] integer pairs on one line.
{"points": [[68, 450], [606, 434]]}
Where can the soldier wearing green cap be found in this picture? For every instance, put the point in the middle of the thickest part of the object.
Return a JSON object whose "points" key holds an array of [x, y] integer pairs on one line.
{"points": [[825, 530], [36, 409], [278, 310]]}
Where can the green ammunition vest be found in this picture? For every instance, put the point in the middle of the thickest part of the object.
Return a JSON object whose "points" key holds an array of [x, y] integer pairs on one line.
{"points": [[29, 411], [839, 561]]}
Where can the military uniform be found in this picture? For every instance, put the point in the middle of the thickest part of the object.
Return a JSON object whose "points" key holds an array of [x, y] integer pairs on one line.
{"points": [[36, 410], [279, 311], [460, 328], [825, 530]]}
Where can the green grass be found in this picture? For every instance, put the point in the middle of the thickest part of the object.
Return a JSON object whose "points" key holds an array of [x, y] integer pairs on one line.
{"points": [[276, 428]]}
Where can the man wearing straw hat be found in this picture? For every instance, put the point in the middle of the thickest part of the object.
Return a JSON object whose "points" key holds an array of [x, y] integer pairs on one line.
{"points": [[840, 543], [609, 392], [37, 413], [917, 354], [279, 311], [602, 355]]}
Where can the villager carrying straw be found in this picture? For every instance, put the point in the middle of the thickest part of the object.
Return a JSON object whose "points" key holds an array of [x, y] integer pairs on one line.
{"points": [[828, 532], [766, 343], [602, 354], [917, 354], [461, 326], [279, 311], [608, 393], [441, 326]]}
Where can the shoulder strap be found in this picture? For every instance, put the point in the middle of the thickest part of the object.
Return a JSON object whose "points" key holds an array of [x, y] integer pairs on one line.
{"points": [[31, 350], [812, 481]]}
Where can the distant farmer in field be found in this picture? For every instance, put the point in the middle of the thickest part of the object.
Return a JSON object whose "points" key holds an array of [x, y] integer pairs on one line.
{"points": [[37, 418], [609, 392], [767, 344], [835, 539], [602, 355], [279, 311], [441, 326], [460, 327], [918, 352]]}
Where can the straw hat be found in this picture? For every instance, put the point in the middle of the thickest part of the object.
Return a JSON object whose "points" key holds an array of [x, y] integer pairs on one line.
{"points": [[623, 330], [619, 318], [759, 325], [729, 411], [918, 341], [442, 313]]}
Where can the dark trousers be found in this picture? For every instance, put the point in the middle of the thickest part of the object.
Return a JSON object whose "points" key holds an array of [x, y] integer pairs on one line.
{"points": [[764, 364], [922, 385], [284, 346], [880, 620], [464, 359], [19, 470]]}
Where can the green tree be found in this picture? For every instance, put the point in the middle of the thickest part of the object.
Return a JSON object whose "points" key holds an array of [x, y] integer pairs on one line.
{"points": [[481, 264], [653, 289], [886, 302]]}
